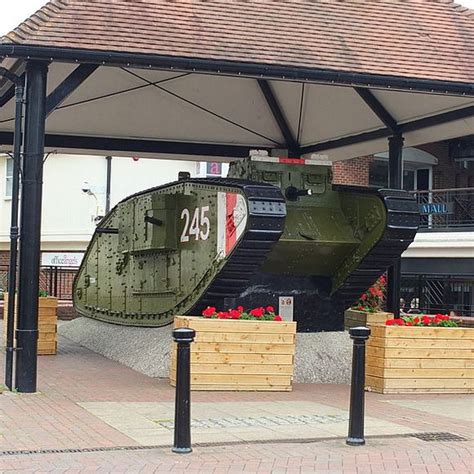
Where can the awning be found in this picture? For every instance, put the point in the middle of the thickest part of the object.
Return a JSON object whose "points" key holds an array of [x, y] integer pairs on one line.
{"points": [[218, 79]]}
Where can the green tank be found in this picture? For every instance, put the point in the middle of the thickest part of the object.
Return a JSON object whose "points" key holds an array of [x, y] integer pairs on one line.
{"points": [[198, 242]]}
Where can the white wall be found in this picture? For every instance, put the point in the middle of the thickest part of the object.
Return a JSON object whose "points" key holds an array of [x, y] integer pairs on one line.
{"points": [[441, 245], [4, 204], [129, 176], [68, 213]]}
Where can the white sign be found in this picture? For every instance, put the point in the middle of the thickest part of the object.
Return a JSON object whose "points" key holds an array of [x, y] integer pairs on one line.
{"points": [[285, 307], [61, 259]]}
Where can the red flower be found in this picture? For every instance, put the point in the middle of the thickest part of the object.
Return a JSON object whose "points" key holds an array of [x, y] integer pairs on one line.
{"points": [[234, 314], [439, 320], [373, 299], [258, 312], [262, 313], [395, 322], [209, 311]]}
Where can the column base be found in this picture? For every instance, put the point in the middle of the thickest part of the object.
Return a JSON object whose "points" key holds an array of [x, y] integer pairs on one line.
{"points": [[181, 450], [355, 441]]}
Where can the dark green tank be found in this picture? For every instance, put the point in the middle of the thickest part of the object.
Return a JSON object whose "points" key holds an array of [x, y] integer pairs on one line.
{"points": [[177, 248]]}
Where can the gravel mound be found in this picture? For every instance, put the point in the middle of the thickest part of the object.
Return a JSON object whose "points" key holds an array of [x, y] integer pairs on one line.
{"points": [[146, 350], [323, 357]]}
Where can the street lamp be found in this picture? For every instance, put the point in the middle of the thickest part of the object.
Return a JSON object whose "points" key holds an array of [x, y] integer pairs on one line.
{"points": [[86, 189]]}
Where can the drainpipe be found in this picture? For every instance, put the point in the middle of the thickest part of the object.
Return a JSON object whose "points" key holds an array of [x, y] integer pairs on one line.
{"points": [[109, 182], [17, 143]]}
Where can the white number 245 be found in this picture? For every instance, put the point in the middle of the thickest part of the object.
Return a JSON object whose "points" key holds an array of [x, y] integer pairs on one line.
{"points": [[199, 226]]}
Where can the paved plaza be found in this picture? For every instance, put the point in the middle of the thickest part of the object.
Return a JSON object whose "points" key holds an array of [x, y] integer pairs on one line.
{"points": [[92, 414]]}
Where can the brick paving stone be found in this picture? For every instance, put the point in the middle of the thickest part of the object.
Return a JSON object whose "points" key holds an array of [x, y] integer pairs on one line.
{"points": [[54, 418]]}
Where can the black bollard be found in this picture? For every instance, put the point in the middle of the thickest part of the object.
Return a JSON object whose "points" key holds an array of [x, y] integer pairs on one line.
{"points": [[356, 410], [182, 409]]}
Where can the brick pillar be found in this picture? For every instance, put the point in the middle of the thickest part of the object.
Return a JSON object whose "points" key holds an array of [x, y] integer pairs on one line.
{"points": [[354, 171]]}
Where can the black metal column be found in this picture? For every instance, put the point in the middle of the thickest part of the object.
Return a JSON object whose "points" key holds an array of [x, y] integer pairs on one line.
{"points": [[182, 411], [108, 183], [30, 238], [395, 180], [17, 143], [395, 162], [357, 405]]}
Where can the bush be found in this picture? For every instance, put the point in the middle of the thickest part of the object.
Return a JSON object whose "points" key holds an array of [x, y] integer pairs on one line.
{"points": [[373, 299]]}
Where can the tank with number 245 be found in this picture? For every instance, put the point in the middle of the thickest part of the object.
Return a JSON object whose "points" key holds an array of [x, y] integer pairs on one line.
{"points": [[273, 227]]}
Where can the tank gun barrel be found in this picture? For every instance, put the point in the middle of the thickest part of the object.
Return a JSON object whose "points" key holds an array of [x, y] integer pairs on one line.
{"points": [[292, 193]]}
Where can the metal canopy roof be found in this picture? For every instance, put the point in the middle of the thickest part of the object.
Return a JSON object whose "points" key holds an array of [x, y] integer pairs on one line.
{"points": [[134, 101]]}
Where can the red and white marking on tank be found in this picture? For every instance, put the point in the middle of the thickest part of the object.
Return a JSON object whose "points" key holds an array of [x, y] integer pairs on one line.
{"points": [[231, 221], [292, 161]]}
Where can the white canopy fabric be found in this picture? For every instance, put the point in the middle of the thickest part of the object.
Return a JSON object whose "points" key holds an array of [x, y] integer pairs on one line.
{"points": [[190, 107]]}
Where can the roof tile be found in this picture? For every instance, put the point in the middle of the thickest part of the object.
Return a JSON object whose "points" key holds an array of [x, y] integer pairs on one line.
{"points": [[430, 39]]}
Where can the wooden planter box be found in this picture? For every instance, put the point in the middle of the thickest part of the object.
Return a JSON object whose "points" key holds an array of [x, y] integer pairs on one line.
{"points": [[47, 324], [420, 359], [239, 355], [353, 318]]}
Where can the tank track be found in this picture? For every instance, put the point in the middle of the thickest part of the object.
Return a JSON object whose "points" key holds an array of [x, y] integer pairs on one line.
{"points": [[266, 220], [402, 224]]}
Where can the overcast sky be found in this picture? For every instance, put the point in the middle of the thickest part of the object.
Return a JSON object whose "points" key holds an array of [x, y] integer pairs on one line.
{"points": [[15, 11]]}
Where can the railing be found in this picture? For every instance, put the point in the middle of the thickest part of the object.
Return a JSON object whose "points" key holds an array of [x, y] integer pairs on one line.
{"points": [[55, 281], [431, 294], [446, 208]]}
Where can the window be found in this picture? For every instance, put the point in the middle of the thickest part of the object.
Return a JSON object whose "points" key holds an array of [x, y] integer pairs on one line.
{"points": [[8, 178], [378, 173], [409, 178], [414, 176]]}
